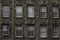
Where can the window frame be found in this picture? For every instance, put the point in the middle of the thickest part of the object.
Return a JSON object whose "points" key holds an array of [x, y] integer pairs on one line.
{"points": [[53, 13], [43, 36], [20, 35], [4, 16], [28, 29], [19, 16], [43, 12], [54, 31], [28, 16], [7, 30]]}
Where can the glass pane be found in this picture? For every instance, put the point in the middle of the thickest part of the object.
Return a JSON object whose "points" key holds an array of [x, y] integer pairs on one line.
{"points": [[30, 11], [43, 31], [19, 11], [55, 9], [5, 28], [55, 31], [43, 9], [43, 12], [18, 31], [55, 12], [30, 31], [6, 11]]}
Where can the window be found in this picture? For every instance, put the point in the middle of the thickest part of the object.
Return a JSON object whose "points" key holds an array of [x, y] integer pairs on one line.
{"points": [[43, 31], [18, 31], [5, 30], [55, 12], [19, 11], [6, 11], [31, 11], [43, 12], [31, 31], [55, 31]]}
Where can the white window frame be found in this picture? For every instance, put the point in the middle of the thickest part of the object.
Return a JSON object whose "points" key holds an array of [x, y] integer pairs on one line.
{"points": [[30, 11], [56, 36], [5, 29], [30, 28], [6, 13], [43, 9], [55, 10], [17, 29], [19, 11], [43, 30]]}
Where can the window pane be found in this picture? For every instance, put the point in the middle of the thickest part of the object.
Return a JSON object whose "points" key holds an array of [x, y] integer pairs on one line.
{"points": [[5, 30], [30, 11], [55, 9], [30, 31], [55, 12], [43, 9], [6, 11], [18, 31], [43, 31], [55, 31], [19, 11], [43, 12]]}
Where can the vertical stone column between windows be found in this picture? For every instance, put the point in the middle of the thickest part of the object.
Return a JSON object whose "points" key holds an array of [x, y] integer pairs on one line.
{"points": [[59, 31], [49, 14], [37, 31], [25, 21], [0, 32], [59, 19], [13, 19], [0, 20], [0, 11]]}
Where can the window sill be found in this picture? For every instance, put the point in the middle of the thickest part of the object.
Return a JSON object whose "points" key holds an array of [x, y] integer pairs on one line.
{"points": [[43, 18], [19, 17], [31, 36], [18, 36], [31, 17], [43, 36], [55, 36], [54, 18], [5, 17], [5, 34]]}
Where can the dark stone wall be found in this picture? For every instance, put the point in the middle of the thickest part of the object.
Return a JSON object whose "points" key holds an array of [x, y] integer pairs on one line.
{"points": [[12, 20]]}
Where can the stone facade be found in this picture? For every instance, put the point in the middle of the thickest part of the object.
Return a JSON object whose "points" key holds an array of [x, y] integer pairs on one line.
{"points": [[12, 20]]}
